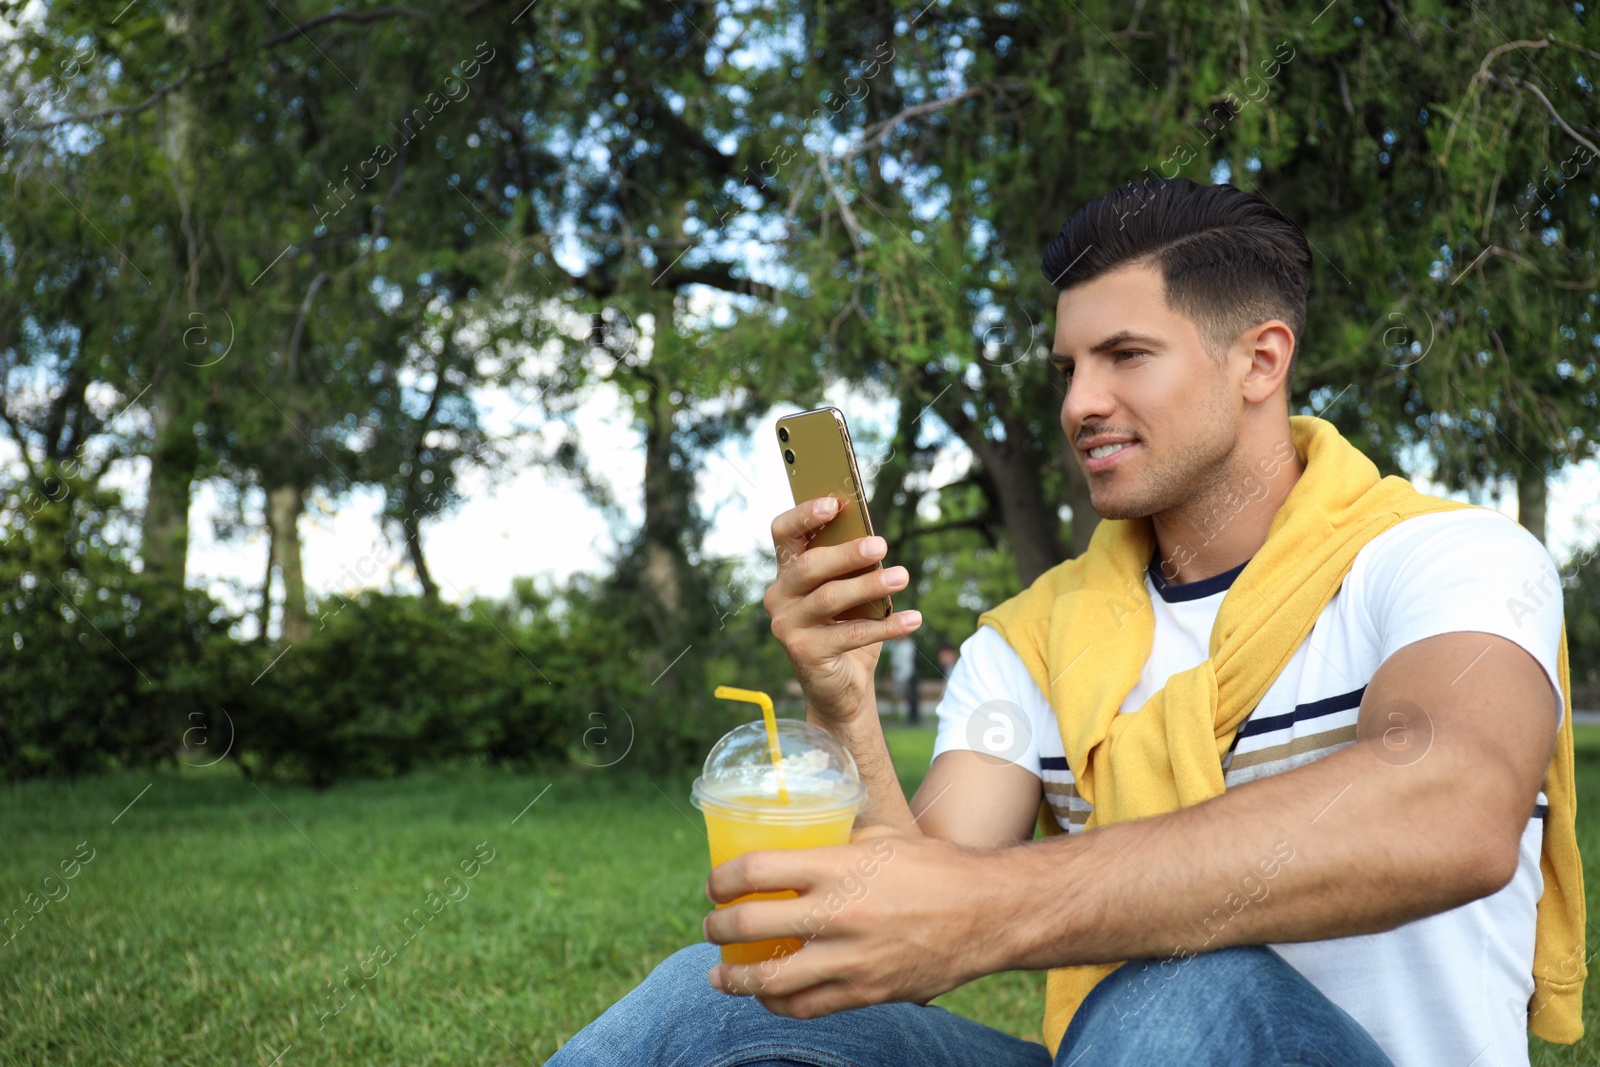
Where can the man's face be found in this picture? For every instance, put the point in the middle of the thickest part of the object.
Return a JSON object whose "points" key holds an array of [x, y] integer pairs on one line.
{"points": [[1140, 373]]}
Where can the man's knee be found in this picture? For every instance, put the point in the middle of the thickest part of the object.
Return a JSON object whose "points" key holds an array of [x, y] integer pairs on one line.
{"points": [[1242, 1004], [686, 968], [1209, 982], [677, 993]]}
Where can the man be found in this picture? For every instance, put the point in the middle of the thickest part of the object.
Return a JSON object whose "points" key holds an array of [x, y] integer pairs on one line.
{"points": [[1287, 726]]}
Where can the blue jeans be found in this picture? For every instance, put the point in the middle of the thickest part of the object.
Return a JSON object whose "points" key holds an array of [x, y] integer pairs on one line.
{"points": [[1235, 1006]]}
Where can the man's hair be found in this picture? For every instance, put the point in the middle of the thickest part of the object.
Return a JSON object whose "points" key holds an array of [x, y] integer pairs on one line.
{"points": [[1230, 259]]}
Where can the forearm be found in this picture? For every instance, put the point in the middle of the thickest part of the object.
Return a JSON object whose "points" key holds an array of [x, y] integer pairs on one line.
{"points": [[886, 800], [1342, 846]]}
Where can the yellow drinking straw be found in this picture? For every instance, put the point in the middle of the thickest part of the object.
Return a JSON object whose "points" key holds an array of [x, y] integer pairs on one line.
{"points": [[753, 696]]}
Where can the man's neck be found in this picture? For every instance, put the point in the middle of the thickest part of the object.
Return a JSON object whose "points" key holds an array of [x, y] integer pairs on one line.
{"points": [[1227, 525]]}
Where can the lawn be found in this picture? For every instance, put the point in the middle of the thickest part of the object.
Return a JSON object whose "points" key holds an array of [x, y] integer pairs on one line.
{"points": [[207, 921]]}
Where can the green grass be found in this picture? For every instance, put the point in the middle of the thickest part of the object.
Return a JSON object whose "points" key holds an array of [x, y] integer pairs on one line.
{"points": [[212, 919]]}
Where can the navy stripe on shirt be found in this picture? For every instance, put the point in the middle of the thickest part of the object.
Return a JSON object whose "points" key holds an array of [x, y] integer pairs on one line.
{"points": [[1174, 594], [1302, 712], [1253, 726]]}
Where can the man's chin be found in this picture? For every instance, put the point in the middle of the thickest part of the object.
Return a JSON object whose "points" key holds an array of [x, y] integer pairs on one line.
{"points": [[1119, 509]]}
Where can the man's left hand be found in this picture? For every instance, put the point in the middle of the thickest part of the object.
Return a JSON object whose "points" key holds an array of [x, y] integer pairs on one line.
{"points": [[892, 916]]}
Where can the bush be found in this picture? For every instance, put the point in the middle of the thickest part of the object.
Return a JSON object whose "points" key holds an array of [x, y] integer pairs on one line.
{"points": [[1581, 596], [387, 683], [97, 669]]}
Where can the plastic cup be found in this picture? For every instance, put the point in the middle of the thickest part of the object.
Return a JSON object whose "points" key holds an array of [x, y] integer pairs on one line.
{"points": [[738, 792]]}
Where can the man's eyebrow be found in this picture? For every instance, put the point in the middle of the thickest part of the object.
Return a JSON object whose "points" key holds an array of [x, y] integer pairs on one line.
{"points": [[1121, 337]]}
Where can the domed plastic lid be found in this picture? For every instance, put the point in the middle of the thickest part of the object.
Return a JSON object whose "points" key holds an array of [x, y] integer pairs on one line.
{"points": [[819, 773]]}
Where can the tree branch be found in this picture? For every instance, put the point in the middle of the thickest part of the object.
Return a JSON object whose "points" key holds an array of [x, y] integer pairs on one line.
{"points": [[1518, 83], [343, 16], [227, 57], [721, 276], [1472, 86], [1532, 268], [94, 116], [974, 522], [879, 132]]}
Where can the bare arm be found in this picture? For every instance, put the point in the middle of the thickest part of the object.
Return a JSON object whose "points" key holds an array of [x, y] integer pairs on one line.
{"points": [[1359, 841], [1391, 829], [965, 797]]}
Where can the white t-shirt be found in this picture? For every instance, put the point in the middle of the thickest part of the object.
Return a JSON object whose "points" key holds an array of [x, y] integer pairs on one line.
{"points": [[1447, 989]]}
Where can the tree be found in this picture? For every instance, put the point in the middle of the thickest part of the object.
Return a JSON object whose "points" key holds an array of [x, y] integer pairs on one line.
{"points": [[906, 171], [280, 228]]}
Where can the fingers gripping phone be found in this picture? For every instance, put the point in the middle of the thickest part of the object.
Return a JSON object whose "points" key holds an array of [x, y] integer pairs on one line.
{"points": [[821, 462]]}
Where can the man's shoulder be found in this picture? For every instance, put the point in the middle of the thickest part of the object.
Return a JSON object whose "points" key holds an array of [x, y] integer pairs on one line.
{"points": [[1466, 568], [1473, 532]]}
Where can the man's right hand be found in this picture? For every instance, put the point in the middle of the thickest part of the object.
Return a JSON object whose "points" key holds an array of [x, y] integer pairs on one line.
{"points": [[835, 662]]}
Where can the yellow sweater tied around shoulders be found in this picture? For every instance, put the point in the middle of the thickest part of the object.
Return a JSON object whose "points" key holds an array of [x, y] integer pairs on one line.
{"points": [[1085, 629]]}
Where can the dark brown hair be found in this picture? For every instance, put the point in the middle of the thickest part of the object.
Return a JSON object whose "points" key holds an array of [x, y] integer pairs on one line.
{"points": [[1230, 259]]}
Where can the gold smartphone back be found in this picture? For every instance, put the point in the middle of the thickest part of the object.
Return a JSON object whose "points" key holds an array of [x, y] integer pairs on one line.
{"points": [[816, 450]]}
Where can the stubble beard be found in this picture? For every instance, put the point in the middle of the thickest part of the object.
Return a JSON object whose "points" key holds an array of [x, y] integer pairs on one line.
{"points": [[1191, 475]]}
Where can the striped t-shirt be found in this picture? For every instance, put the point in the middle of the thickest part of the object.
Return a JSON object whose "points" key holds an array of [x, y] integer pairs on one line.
{"points": [[1448, 988]]}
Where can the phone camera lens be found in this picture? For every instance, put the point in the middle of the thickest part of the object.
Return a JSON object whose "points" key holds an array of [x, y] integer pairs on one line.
{"points": [[788, 456], [783, 434]]}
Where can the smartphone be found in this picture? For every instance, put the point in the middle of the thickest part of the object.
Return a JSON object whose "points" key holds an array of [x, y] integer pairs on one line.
{"points": [[816, 451]]}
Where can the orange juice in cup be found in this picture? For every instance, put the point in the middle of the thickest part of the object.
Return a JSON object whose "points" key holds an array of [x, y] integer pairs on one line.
{"points": [[779, 783]]}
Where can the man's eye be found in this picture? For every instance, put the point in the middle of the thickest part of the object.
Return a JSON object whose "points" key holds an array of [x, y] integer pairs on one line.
{"points": [[1064, 370], [1129, 352]]}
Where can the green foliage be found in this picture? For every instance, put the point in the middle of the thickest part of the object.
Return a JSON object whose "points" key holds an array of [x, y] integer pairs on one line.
{"points": [[96, 669], [389, 683], [719, 635], [1581, 599], [222, 239], [99, 671]]}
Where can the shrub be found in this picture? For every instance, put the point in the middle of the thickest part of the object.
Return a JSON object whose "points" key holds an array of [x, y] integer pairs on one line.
{"points": [[97, 669], [387, 683]]}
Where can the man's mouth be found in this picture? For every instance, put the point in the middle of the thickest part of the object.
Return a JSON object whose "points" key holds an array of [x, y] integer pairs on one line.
{"points": [[1106, 450], [1105, 455]]}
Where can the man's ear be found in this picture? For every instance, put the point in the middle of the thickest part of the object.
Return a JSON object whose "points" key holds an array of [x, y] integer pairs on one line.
{"points": [[1269, 347]]}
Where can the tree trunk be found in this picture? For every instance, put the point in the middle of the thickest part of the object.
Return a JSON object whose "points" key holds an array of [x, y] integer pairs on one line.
{"points": [[430, 590], [1029, 520], [888, 471], [1084, 517], [286, 503], [174, 453], [1532, 491], [412, 504], [660, 528], [264, 614], [165, 528]]}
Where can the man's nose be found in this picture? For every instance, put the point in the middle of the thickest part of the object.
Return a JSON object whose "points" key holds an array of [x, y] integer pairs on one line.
{"points": [[1087, 399]]}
